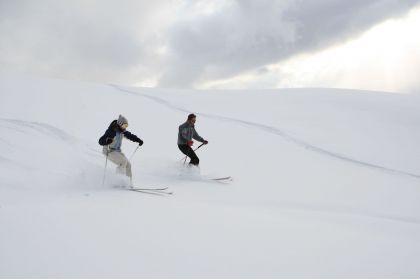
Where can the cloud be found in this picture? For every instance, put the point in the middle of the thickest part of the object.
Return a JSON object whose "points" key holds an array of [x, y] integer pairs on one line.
{"points": [[98, 40], [248, 34], [384, 58], [174, 43]]}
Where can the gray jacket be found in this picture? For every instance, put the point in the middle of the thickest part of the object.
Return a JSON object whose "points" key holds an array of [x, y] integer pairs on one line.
{"points": [[187, 132]]}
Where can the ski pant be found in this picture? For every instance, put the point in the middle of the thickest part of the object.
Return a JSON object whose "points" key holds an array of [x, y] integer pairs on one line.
{"points": [[187, 150], [118, 158]]}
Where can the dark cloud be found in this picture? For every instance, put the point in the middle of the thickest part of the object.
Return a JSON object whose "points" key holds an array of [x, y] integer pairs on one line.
{"points": [[249, 34]]}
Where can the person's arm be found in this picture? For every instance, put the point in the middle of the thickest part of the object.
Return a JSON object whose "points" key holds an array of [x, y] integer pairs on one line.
{"points": [[132, 137], [197, 137], [107, 137]]}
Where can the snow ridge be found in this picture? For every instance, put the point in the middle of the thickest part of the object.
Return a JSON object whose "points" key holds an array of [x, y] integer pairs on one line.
{"points": [[273, 130]]}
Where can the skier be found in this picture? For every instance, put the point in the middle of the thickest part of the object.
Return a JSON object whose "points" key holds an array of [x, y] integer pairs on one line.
{"points": [[186, 134], [111, 142]]}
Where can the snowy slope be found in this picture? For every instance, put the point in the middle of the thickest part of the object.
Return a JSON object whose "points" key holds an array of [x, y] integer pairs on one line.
{"points": [[326, 184]]}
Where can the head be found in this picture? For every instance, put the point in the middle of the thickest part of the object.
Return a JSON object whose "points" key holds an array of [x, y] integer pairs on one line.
{"points": [[122, 122], [192, 118]]}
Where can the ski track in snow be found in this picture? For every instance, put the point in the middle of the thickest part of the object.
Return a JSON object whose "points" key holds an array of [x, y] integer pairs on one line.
{"points": [[333, 210], [5, 160], [43, 128], [39, 127], [275, 131]]}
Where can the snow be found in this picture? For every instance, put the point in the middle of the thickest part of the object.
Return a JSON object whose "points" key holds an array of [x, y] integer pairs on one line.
{"points": [[326, 184]]}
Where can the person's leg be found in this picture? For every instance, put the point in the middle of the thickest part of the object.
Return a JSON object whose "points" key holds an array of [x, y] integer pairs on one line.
{"points": [[184, 148], [187, 150], [194, 159], [118, 158], [127, 167]]}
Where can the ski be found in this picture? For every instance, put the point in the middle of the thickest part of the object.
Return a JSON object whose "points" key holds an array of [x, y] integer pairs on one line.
{"points": [[152, 191], [208, 178], [227, 178]]}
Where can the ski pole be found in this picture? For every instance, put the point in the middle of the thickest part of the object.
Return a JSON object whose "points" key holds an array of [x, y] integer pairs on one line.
{"points": [[131, 157], [106, 162], [185, 159]]}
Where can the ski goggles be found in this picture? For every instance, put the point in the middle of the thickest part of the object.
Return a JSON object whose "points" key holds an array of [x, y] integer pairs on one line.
{"points": [[124, 126]]}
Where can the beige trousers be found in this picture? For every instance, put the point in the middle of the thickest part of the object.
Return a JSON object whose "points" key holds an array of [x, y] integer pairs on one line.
{"points": [[118, 158]]}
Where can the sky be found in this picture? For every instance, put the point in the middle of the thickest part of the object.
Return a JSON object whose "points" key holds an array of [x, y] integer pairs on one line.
{"points": [[216, 44]]}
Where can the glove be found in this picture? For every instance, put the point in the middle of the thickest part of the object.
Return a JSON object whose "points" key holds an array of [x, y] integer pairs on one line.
{"points": [[190, 143], [140, 142], [108, 141], [205, 142]]}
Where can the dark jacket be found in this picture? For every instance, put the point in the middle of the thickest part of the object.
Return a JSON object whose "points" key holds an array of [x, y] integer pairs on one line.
{"points": [[187, 132], [112, 130]]}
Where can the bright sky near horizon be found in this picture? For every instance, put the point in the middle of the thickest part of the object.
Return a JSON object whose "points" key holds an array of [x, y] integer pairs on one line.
{"points": [[383, 58], [371, 45]]}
